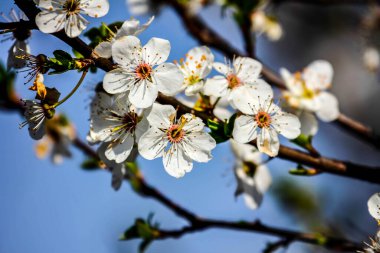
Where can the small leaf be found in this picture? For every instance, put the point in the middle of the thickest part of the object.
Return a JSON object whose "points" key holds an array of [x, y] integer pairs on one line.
{"points": [[90, 164]]}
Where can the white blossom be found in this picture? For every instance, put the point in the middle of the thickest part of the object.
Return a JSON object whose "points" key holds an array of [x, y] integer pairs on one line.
{"points": [[373, 246], [57, 141], [118, 123], [307, 90], [129, 27], [252, 176], [195, 68], [371, 59], [36, 114], [67, 14], [179, 141], [264, 120], [142, 71], [20, 45], [242, 74], [374, 206], [263, 24]]}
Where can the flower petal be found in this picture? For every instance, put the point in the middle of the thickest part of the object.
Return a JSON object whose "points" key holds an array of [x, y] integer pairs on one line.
{"points": [[329, 109], [318, 75], [247, 69], [198, 146], [169, 78], [286, 124], [117, 81], [199, 60], [126, 50], [244, 129], [156, 51], [267, 142], [120, 151], [50, 21], [221, 68], [104, 49], [74, 25], [19, 48], [95, 8], [132, 27], [176, 162], [152, 143], [160, 116], [143, 94], [374, 206], [216, 86], [309, 124], [250, 98]]}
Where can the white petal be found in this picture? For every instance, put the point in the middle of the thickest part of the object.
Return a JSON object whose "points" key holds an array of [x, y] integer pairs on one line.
{"points": [[51, 21], [198, 146], [199, 60], [193, 89], [169, 78], [286, 124], [292, 84], [245, 152], [132, 27], [263, 178], [374, 206], [143, 94], [104, 49], [96, 8], [126, 50], [193, 124], [247, 69], [309, 124], [74, 25], [221, 68], [120, 152], [152, 143], [117, 81], [250, 98], [156, 51], [244, 129], [267, 142], [329, 109], [318, 75], [45, 4], [176, 163], [39, 132], [222, 113], [160, 115], [216, 86]]}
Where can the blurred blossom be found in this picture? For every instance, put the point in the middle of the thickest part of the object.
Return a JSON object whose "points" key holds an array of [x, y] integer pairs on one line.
{"points": [[307, 90], [20, 35], [374, 206], [253, 178], [141, 7], [371, 59], [59, 135], [264, 24]]}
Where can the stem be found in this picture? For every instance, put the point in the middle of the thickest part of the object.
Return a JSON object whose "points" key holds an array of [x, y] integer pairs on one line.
{"points": [[73, 91]]}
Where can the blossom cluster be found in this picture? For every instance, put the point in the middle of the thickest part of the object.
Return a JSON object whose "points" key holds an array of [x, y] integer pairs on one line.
{"points": [[127, 119]]}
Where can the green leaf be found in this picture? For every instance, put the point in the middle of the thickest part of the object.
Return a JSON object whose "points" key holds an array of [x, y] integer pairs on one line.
{"points": [[90, 164], [144, 245], [62, 55], [229, 127]]}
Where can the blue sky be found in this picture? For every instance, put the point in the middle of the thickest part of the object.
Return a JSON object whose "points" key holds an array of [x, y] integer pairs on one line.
{"points": [[47, 208]]}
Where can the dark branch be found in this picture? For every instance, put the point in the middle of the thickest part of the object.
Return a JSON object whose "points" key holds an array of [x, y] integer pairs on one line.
{"points": [[327, 2]]}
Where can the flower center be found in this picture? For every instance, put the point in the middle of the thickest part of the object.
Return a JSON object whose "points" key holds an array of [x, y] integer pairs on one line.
{"points": [[144, 71], [193, 79], [130, 121], [71, 6], [175, 133], [233, 81], [263, 119]]}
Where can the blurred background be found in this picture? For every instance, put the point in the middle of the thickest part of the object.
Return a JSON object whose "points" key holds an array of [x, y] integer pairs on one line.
{"points": [[50, 208]]}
